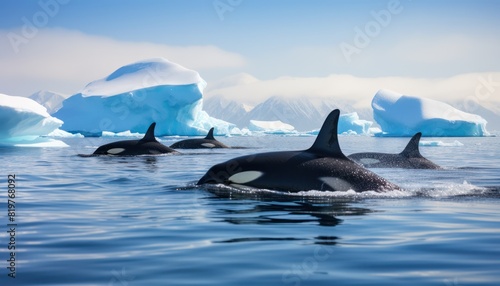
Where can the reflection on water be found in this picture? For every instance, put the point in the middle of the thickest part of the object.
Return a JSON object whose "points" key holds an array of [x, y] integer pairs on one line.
{"points": [[262, 208], [249, 239], [271, 208]]}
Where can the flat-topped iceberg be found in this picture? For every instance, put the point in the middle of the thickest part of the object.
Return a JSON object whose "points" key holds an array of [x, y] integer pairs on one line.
{"points": [[404, 115], [135, 95], [23, 121]]}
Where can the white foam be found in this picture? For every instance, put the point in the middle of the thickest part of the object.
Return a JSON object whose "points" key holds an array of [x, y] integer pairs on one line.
{"points": [[443, 191]]}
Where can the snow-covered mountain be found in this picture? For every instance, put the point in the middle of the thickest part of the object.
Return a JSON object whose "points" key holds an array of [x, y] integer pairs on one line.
{"points": [[303, 113], [227, 110], [51, 100], [298, 112]]}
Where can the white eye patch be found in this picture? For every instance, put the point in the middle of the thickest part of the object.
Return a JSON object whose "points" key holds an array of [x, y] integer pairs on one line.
{"points": [[115, 151], [336, 184], [245, 177]]}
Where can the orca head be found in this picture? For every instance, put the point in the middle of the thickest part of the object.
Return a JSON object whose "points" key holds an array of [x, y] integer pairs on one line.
{"points": [[217, 174]]}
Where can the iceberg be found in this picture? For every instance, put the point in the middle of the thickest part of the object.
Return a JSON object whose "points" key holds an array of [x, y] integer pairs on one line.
{"points": [[273, 127], [122, 134], [135, 95], [350, 124], [404, 115], [23, 122], [438, 143], [63, 134]]}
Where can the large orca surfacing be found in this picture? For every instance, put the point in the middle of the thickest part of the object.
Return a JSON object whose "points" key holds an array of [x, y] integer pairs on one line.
{"points": [[322, 167], [148, 145], [199, 143], [409, 158]]}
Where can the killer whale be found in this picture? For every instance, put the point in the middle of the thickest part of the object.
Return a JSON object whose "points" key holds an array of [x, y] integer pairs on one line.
{"points": [[148, 145], [322, 167], [199, 143], [409, 158]]}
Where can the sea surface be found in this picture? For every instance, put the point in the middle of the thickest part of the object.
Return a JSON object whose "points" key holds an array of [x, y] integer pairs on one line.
{"points": [[143, 221]]}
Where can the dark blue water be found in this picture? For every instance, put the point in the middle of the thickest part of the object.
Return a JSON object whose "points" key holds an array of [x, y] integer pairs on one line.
{"points": [[141, 221]]}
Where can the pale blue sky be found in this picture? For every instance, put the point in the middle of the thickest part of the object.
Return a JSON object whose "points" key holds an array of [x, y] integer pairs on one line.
{"points": [[265, 38]]}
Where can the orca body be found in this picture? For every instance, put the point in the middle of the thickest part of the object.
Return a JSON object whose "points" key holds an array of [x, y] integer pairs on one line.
{"points": [[145, 146], [208, 142], [322, 167], [410, 158]]}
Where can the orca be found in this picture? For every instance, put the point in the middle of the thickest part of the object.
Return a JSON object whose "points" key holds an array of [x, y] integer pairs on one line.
{"points": [[322, 167], [148, 145], [410, 158], [200, 143]]}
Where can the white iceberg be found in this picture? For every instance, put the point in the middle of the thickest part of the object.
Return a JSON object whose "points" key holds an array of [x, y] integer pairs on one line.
{"points": [[58, 133], [23, 121], [137, 94], [274, 127], [439, 143], [350, 124], [404, 115], [122, 134]]}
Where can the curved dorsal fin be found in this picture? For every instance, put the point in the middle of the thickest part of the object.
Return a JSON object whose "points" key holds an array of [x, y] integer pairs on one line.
{"points": [[150, 134], [327, 142], [210, 135], [411, 150]]}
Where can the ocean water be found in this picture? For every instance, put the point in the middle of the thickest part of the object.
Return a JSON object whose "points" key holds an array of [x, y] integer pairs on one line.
{"points": [[142, 221]]}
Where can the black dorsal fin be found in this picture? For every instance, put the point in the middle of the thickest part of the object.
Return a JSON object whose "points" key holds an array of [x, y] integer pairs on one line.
{"points": [[150, 134], [411, 150], [210, 135], [327, 142]]}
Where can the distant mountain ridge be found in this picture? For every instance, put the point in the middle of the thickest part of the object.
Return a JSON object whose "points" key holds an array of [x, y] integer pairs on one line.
{"points": [[50, 100], [303, 113], [307, 114], [227, 110]]}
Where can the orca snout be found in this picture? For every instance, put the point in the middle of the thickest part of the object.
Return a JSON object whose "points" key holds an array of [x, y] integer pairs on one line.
{"points": [[208, 179]]}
